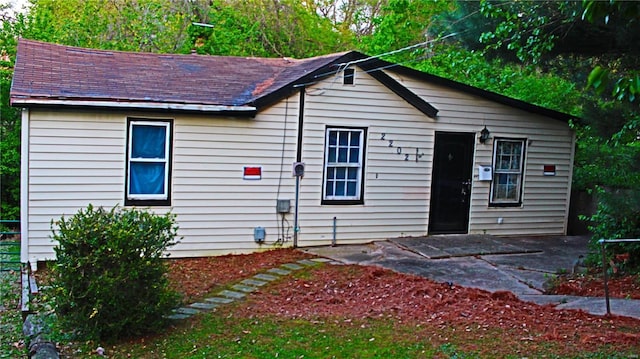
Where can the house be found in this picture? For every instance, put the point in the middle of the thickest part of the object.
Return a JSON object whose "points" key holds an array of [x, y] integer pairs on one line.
{"points": [[252, 152]]}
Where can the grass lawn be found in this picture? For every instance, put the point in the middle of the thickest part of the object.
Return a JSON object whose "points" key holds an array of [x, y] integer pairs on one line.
{"points": [[223, 334], [11, 345]]}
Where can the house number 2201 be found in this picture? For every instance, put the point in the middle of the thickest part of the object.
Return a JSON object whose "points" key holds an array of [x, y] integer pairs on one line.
{"points": [[383, 137]]}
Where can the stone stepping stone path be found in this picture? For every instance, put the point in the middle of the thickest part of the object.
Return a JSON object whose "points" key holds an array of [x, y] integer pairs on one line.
{"points": [[203, 306], [219, 300], [253, 282], [244, 288], [292, 266], [279, 271], [232, 294], [266, 277], [240, 290]]}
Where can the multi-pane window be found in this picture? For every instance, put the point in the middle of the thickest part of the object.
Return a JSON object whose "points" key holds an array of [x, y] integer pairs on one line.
{"points": [[148, 162], [344, 152], [508, 169]]}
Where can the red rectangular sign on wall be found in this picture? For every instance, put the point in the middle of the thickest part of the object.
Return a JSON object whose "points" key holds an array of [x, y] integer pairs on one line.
{"points": [[252, 173], [549, 170]]}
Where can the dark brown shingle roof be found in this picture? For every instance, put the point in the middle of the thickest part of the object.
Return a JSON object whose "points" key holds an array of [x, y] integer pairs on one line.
{"points": [[50, 71], [48, 75]]}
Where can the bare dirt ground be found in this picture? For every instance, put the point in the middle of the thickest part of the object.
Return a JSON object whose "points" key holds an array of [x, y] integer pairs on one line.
{"points": [[358, 292]]}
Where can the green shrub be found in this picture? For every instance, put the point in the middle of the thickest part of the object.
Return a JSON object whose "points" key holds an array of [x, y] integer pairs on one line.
{"points": [[618, 216], [110, 277]]}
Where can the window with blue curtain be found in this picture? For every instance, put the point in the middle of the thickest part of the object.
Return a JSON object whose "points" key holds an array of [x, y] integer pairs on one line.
{"points": [[148, 161], [344, 152]]}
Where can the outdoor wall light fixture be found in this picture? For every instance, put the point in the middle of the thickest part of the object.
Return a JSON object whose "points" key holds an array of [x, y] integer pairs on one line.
{"points": [[484, 135]]}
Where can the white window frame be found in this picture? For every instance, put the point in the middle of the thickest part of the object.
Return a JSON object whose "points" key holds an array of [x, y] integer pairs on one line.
{"points": [[166, 160], [359, 165], [497, 172]]}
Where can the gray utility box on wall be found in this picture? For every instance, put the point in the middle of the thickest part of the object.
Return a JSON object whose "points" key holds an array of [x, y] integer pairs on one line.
{"points": [[283, 206], [259, 234]]}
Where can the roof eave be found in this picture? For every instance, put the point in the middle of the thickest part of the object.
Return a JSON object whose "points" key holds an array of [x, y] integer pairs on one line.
{"points": [[493, 96], [249, 111], [312, 77]]}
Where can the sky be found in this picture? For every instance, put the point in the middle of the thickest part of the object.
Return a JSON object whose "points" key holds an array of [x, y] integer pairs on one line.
{"points": [[16, 5]]}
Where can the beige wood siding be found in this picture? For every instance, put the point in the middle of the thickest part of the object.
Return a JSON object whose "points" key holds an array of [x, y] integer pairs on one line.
{"points": [[545, 202], [396, 201], [77, 158]]}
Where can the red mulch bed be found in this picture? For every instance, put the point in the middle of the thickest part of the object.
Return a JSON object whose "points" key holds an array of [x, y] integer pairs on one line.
{"points": [[593, 286], [362, 293], [195, 277]]}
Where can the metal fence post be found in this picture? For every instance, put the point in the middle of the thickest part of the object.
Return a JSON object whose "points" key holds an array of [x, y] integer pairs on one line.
{"points": [[604, 272], [603, 243]]}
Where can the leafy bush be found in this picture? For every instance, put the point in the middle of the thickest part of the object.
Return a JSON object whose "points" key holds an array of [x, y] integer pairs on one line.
{"points": [[110, 277], [618, 216]]}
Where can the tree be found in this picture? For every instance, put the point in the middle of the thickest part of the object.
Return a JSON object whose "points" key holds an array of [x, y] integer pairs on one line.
{"points": [[12, 26], [620, 15], [142, 25], [605, 32], [268, 28], [351, 17], [402, 23]]}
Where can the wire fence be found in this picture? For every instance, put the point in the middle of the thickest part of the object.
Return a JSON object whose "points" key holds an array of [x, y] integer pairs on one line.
{"points": [[9, 245]]}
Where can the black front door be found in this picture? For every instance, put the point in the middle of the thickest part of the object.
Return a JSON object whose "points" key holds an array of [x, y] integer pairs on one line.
{"points": [[451, 183]]}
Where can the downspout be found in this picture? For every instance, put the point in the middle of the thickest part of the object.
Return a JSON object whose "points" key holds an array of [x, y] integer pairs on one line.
{"points": [[296, 227], [568, 201], [24, 189]]}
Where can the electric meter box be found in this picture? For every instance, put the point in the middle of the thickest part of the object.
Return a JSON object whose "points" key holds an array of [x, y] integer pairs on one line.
{"points": [[297, 169]]}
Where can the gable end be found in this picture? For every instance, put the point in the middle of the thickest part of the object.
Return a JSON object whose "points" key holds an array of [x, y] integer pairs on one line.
{"points": [[406, 94], [509, 101]]}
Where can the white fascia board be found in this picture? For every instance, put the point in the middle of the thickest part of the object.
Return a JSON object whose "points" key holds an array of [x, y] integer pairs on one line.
{"points": [[134, 105]]}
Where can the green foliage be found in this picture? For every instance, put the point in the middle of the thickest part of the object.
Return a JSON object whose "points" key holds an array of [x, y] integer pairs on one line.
{"points": [[526, 28], [402, 23], [9, 161], [10, 316], [9, 125], [525, 83], [613, 163], [264, 28], [144, 25], [607, 31], [110, 276], [618, 216], [602, 12], [609, 167], [625, 88]]}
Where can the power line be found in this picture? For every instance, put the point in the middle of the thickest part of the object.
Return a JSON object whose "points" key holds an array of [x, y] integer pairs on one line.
{"points": [[344, 65], [398, 50]]}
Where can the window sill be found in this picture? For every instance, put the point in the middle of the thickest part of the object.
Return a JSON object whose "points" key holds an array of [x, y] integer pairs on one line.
{"points": [[348, 202], [148, 202], [503, 205]]}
